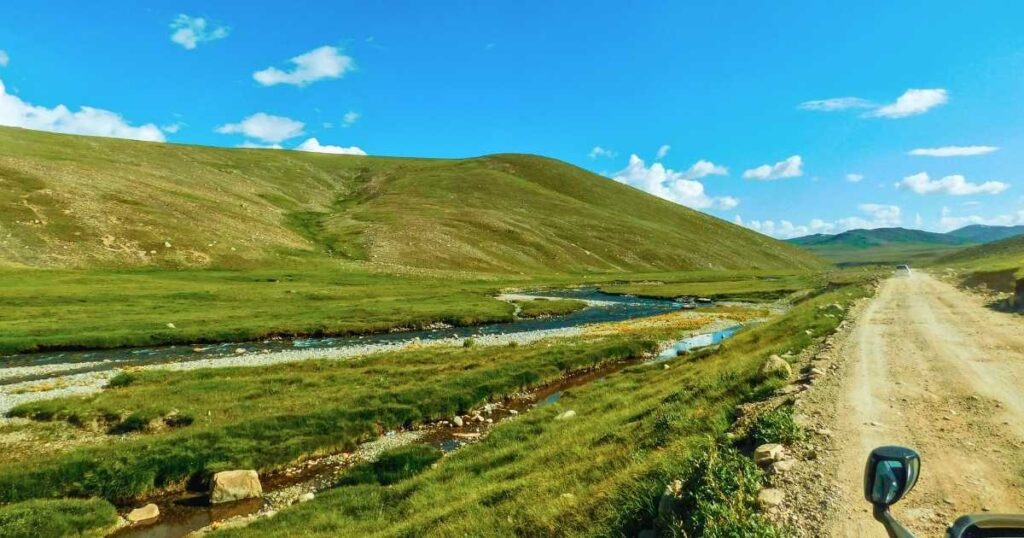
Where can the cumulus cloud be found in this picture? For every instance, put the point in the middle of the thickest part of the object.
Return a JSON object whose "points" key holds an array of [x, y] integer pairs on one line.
{"points": [[15, 112], [854, 178], [313, 145], [948, 221], [791, 167], [836, 103], [704, 168], [953, 151], [663, 151], [189, 32], [318, 64], [349, 118], [672, 185], [873, 216], [270, 129], [4, 58], [598, 151], [911, 103], [955, 185]]}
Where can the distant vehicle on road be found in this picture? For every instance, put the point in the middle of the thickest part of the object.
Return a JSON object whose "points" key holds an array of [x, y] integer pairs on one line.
{"points": [[903, 269]]}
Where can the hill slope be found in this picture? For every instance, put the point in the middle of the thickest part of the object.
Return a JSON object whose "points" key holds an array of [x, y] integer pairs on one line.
{"points": [[1005, 254], [71, 201], [981, 233]]}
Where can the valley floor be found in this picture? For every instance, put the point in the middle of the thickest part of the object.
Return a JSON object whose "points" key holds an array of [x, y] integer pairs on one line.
{"points": [[928, 366]]}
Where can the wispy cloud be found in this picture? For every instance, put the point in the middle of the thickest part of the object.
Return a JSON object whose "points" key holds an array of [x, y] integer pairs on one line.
{"points": [[87, 120], [679, 187], [791, 167], [955, 185], [189, 32], [854, 178], [953, 151], [349, 119], [598, 151], [836, 103], [663, 151], [318, 64], [313, 145], [265, 127], [4, 58], [912, 103]]}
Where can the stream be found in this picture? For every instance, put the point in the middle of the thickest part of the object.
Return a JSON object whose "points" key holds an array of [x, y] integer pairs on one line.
{"points": [[602, 308], [184, 513], [85, 372]]}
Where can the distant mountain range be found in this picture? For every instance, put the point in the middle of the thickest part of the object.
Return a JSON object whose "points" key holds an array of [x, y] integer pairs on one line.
{"points": [[888, 245]]}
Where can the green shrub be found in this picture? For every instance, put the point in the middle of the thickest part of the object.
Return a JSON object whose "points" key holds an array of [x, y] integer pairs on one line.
{"points": [[776, 426], [393, 466], [469, 342], [57, 517], [718, 498], [121, 380]]}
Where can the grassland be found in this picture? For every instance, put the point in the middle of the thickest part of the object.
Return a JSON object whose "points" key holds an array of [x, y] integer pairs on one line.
{"points": [[549, 307], [82, 202], [598, 474]]}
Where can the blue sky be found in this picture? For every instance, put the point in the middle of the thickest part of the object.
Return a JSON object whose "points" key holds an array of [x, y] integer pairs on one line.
{"points": [[762, 112]]}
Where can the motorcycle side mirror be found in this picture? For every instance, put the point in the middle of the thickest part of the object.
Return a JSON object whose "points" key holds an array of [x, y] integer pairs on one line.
{"points": [[890, 473]]}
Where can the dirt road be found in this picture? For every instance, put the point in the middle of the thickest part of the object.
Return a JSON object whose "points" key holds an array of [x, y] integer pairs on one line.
{"points": [[927, 366]]}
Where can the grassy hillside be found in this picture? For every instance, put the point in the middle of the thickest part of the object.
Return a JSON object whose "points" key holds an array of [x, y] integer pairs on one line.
{"points": [[881, 246], [72, 201], [1006, 257]]}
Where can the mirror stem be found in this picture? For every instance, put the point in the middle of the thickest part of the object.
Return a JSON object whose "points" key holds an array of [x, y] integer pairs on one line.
{"points": [[893, 527]]}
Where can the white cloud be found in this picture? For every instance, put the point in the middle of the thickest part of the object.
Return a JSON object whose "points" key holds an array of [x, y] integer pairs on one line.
{"points": [[875, 216], [191, 31], [911, 103], [253, 145], [598, 151], [836, 103], [349, 118], [86, 121], [955, 185], [703, 168], [4, 58], [172, 127], [272, 129], [313, 145], [791, 167], [953, 151], [949, 222], [318, 64], [672, 185], [854, 178], [663, 151]]}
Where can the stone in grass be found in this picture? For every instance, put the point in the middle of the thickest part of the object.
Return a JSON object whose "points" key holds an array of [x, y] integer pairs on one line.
{"points": [[143, 513], [566, 415], [770, 497], [768, 453], [776, 366], [457, 421], [230, 486]]}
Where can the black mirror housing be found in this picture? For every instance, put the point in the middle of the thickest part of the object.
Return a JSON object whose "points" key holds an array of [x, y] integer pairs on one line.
{"points": [[891, 472]]}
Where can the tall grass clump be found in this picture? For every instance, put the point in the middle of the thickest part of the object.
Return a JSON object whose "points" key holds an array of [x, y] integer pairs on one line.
{"points": [[86, 518], [776, 426]]}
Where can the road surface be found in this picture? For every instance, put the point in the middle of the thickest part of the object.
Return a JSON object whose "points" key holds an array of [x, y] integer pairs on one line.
{"points": [[927, 366]]}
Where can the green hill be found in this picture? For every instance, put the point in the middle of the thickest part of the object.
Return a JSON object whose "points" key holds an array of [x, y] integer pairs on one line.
{"points": [[1005, 254], [880, 246], [981, 233], [73, 201]]}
